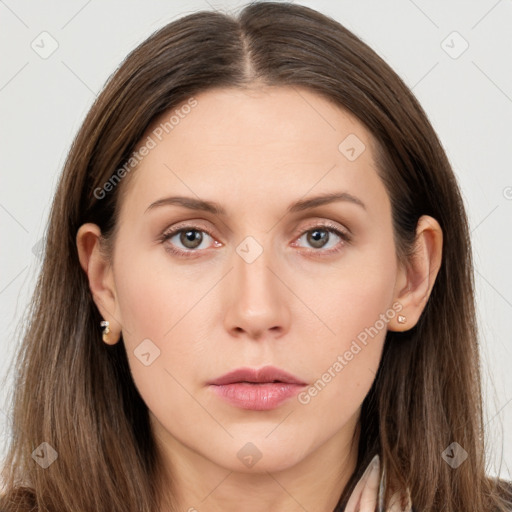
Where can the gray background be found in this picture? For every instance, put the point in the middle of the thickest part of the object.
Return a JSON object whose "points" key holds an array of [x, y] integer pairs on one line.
{"points": [[467, 94]]}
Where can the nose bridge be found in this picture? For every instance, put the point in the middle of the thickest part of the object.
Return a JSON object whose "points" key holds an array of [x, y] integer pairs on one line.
{"points": [[255, 283], [257, 301]]}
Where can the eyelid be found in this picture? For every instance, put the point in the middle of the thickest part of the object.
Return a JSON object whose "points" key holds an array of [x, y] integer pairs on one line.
{"points": [[186, 224], [326, 224]]}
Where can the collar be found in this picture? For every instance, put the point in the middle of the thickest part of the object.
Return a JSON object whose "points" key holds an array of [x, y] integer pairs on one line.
{"points": [[368, 494]]}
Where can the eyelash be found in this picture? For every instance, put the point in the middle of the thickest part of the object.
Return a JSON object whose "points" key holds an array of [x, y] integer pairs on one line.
{"points": [[345, 237]]}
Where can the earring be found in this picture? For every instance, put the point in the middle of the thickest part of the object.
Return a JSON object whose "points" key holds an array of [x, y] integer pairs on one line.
{"points": [[401, 319], [106, 330]]}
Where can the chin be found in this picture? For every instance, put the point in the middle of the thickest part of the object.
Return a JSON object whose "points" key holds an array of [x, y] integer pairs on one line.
{"points": [[263, 457]]}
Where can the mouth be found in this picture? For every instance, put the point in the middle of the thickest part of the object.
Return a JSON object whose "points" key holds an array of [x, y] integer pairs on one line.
{"points": [[257, 389], [264, 375]]}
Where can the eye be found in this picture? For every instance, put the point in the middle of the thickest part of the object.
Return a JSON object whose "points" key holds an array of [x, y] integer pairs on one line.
{"points": [[190, 238], [326, 237], [189, 241]]}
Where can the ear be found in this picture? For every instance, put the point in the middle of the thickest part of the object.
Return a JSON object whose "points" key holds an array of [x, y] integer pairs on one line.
{"points": [[417, 276], [100, 276]]}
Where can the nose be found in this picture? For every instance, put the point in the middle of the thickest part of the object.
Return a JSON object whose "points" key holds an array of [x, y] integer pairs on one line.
{"points": [[257, 298]]}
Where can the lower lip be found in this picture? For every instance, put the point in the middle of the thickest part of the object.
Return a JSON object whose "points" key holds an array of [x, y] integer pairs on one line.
{"points": [[257, 397]]}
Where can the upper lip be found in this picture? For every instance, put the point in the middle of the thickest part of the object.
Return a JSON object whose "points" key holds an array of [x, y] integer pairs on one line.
{"points": [[257, 375]]}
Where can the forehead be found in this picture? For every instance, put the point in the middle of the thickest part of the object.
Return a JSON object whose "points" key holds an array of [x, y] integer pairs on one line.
{"points": [[270, 116], [261, 142]]}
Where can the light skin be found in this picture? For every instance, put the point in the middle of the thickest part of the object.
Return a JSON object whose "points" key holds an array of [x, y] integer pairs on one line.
{"points": [[297, 306]]}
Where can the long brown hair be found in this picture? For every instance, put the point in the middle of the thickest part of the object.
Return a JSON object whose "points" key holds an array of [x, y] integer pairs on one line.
{"points": [[76, 393]]}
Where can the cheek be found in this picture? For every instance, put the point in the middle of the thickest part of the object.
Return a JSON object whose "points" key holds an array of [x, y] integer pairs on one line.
{"points": [[150, 294], [157, 333], [356, 306], [157, 306]]}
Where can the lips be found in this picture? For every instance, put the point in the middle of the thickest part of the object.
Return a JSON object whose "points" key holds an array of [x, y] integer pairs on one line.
{"points": [[267, 374], [260, 389]]}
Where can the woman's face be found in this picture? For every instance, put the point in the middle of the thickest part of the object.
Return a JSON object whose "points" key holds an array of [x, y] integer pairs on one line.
{"points": [[263, 279]]}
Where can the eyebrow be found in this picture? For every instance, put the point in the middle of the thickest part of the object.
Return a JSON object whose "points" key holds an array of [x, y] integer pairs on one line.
{"points": [[214, 208]]}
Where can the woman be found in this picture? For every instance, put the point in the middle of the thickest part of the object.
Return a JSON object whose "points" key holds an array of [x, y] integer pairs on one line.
{"points": [[257, 275]]}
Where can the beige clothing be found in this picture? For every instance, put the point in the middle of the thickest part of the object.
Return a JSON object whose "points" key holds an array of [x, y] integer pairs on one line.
{"points": [[368, 494]]}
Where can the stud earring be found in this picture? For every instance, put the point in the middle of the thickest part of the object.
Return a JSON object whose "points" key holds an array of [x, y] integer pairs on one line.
{"points": [[106, 330], [401, 319]]}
